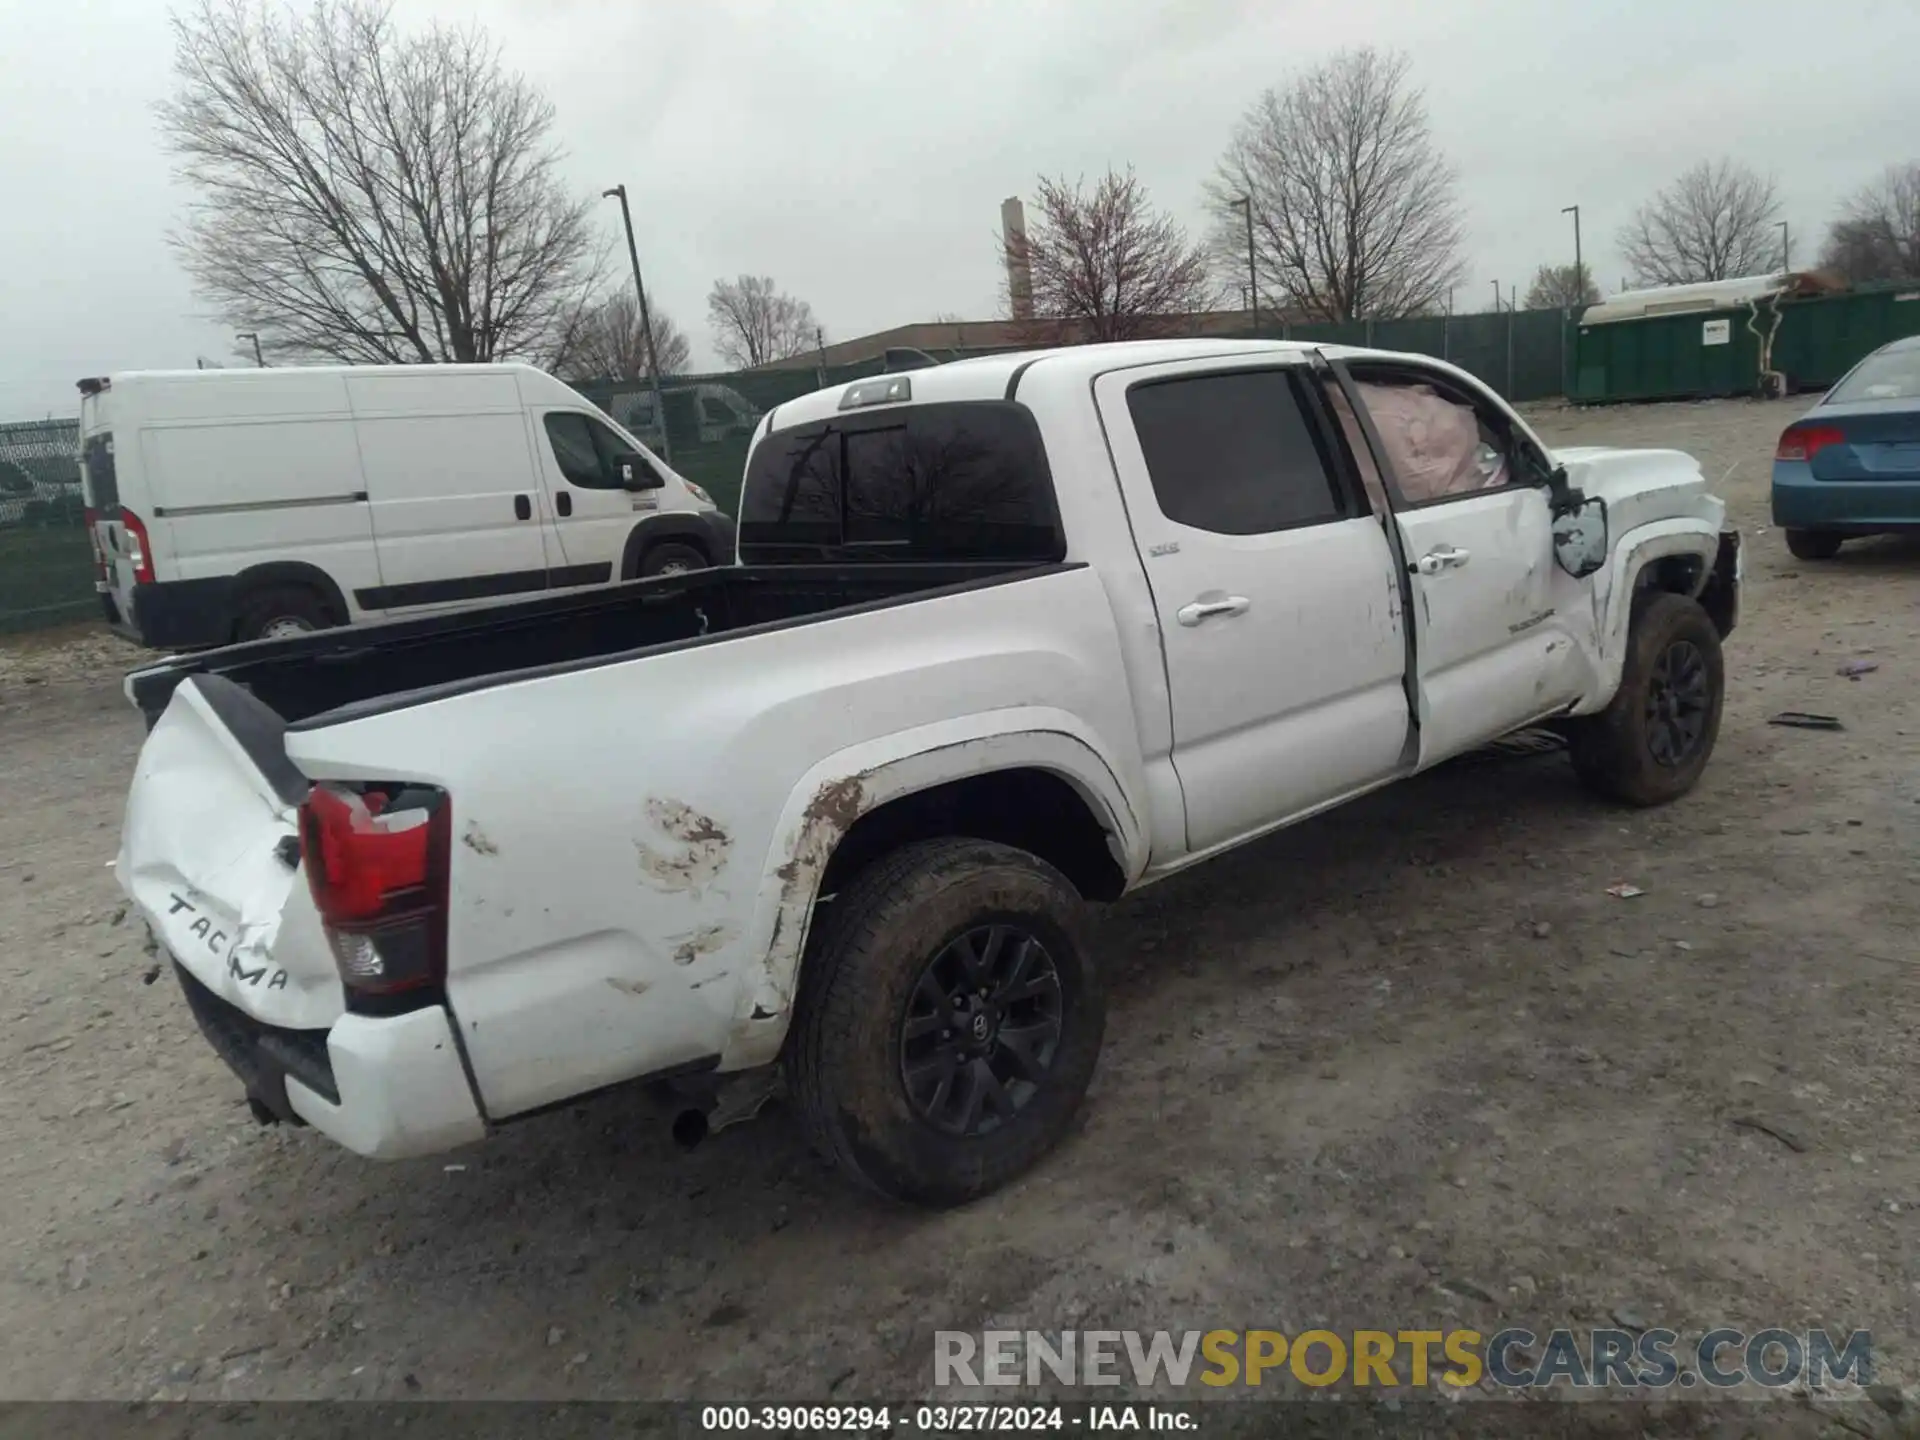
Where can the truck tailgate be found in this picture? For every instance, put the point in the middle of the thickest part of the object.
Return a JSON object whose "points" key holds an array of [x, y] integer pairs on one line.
{"points": [[209, 855]]}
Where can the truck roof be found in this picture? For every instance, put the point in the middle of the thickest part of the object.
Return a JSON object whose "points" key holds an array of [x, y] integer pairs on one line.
{"points": [[987, 377]]}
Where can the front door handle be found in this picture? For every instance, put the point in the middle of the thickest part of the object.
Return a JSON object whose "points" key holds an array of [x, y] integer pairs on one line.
{"points": [[1200, 610], [563, 502], [522, 508], [1441, 557]]}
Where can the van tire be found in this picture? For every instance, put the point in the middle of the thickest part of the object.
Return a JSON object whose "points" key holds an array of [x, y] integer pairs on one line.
{"points": [[281, 611], [1672, 684], [671, 558], [853, 1041]]}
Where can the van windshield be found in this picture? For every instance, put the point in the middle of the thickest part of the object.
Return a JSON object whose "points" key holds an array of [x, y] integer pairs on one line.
{"points": [[956, 481]]}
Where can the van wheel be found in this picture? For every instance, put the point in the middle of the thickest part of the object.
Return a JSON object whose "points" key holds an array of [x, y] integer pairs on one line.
{"points": [[948, 1022], [1652, 741], [671, 559], [1812, 544], [282, 612]]}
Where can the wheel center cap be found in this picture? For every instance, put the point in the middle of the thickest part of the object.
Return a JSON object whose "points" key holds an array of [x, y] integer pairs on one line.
{"points": [[982, 1025]]}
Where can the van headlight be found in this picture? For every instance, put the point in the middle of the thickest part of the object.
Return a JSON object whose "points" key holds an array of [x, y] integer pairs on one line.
{"points": [[698, 494]]}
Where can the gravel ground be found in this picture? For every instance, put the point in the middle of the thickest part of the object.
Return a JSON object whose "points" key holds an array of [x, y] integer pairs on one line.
{"points": [[1408, 1064]]}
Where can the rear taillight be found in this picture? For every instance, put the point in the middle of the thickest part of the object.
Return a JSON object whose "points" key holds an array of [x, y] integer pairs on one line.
{"points": [[377, 866], [1803, 442], [91, 518], [139, 550]]}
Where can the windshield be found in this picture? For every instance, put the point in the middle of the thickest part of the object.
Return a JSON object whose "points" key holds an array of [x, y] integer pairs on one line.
{"points": [[1890, 375]]}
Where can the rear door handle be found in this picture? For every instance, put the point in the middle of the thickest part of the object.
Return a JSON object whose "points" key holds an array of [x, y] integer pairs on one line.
{"points": [[563, 502], [522, 508], [1199, 610]]}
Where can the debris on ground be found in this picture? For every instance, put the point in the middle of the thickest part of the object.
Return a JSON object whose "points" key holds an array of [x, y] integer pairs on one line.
{"points": [[1854, 669], [1785, 1131], [1621, 890], [1802, 720]]}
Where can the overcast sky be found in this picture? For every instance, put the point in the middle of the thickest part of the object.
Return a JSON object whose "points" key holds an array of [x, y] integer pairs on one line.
{"points": [[858, 152]]}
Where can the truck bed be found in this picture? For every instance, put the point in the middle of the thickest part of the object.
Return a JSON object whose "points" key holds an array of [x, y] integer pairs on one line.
{"points": [[371, 667]]}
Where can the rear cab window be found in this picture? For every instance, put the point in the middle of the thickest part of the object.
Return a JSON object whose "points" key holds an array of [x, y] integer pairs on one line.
{"points": [[954, 481]]}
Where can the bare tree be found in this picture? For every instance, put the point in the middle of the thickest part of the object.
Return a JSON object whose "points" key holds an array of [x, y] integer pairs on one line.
{"points": [[606, 342], [1106, 265], [756, 323], [1715, 222], [1562, 287], [367, 195], [1877, 236], [1353, 205]]}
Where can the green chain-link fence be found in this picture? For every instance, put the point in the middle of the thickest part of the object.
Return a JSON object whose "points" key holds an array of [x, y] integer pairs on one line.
{"points": [[46, 570], [46, 565]]}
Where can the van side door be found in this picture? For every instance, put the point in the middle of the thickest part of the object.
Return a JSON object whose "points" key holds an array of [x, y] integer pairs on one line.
{"points": [[1274, 585], [458, 512]]}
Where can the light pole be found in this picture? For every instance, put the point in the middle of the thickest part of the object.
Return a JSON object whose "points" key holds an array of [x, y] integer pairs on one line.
{"points": [[1496, 297], [250, 335], [1579, 266], [1579, 299], [1245, 202], [1786, 250], [646, 320]]}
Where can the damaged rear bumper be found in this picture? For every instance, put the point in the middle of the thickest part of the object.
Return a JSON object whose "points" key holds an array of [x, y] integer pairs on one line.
{"points": [[387, 1087]]}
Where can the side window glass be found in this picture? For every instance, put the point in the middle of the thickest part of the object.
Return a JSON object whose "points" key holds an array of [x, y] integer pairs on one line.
{"points": [[615, 451], [572, 439], [1233, 453]]}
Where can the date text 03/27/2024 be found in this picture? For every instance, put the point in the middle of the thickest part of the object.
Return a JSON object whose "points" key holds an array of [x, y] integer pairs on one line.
{"points": [[945, 1419]]}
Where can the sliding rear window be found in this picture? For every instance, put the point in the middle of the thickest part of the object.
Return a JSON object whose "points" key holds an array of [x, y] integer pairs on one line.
{"points": [[961, 481]]}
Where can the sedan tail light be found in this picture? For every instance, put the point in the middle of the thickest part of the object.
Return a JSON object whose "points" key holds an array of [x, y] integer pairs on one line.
{"points": [[139, 548], [377, 866], [1803, 442]]}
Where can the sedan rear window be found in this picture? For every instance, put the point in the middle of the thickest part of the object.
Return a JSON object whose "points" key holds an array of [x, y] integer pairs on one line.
{"points": [[1890, 375], [965, 481]]}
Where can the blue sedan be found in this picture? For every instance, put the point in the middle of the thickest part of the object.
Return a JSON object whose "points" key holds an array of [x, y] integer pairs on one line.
{"points": [[1851, 465]]}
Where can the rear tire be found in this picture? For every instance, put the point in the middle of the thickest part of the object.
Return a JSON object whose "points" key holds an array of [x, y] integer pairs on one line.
{"points": [[671, 559], [281, 612], [1652, 741], [1813, 544], [909, 1009]]}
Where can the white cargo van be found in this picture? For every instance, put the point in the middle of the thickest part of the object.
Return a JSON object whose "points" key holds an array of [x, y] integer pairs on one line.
{"points": [[238, 504]]}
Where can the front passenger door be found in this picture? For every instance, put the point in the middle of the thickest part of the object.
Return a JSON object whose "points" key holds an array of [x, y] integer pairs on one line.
{"points": [[1470, 496], [594, 505]]}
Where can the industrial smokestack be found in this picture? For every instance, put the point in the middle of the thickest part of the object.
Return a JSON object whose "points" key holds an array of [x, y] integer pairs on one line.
{"points": [[1013, 230]]}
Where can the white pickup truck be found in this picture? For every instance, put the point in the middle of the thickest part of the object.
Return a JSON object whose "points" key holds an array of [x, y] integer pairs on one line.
{"points": [[1007, 637]]}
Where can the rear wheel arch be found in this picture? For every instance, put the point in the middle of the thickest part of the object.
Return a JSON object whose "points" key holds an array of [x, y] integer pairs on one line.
{"points": [[258, 580], [1083, 824]]}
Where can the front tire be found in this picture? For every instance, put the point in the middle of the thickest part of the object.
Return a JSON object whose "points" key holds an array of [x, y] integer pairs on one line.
{"points": [[671, 559], [1654, 738], [949, 1020], [1812, 544]]}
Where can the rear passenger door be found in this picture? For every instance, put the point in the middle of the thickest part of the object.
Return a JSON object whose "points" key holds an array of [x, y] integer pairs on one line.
{"points": [[1274, 587]]}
